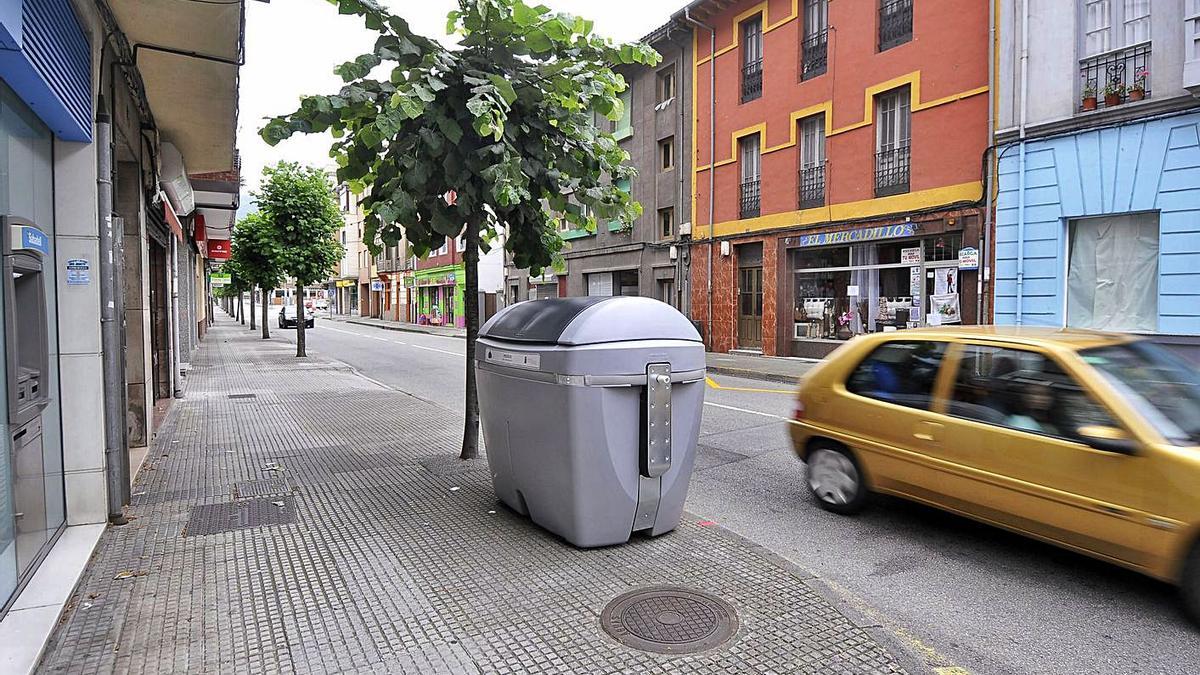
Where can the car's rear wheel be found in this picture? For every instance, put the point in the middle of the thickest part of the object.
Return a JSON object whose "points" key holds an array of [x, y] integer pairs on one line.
{"points": [[835, 479], [1189, 585]]}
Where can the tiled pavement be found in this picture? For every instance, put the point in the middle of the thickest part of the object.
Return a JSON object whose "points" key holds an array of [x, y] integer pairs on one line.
{"points": [[381, 552]]}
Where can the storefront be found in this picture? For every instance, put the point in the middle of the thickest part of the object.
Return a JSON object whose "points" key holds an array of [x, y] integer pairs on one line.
{"points": [[439, 296], [877, 278]]}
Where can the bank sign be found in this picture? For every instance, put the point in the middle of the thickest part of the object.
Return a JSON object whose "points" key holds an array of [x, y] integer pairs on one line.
{"points": [[29, 238], [859, 235]]}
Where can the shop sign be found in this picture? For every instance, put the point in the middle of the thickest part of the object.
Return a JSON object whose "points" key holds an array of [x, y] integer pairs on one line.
{"points": [[219, 280], [910, 256], [409, 281], [346, 283], [443, 280], [31, 238], [78, 272], [859, 235], [376, 285], [968, 258], [218, 249]]}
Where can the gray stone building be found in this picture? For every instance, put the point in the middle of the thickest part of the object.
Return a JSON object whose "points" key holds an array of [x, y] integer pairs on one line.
{"points": [[650, 259]]}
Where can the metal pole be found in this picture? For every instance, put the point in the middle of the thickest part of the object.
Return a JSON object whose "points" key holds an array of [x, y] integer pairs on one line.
{"points": [[116, 455]]}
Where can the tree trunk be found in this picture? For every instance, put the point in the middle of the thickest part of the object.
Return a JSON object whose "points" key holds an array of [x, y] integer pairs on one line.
{"points": [[266, 332], [252, 326], [241, 308], [470, 444], [300, 321]]}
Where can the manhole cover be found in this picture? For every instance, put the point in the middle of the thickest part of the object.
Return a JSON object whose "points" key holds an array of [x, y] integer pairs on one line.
{"points": [[260, 488], [669, 620], [229, 516]]}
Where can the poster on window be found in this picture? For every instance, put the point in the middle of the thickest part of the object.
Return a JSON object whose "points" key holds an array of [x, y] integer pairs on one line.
{"points": [[945, 281], [914, 282], [944, 307], [910, 256]]}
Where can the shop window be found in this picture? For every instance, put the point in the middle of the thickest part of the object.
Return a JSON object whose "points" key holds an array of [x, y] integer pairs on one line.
{"points": [[812, 162], [942, 248], [665, 86], [893, 133], [752, 59], [666, 154], [751, 166], [895, 23], [666, 223], [902, 372], [1112, 273], [814, 47]]}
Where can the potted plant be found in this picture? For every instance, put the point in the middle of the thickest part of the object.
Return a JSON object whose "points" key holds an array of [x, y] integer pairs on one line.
{"points": [[1089, 95], [1137, 90], [844, 332], [1114, 92]]}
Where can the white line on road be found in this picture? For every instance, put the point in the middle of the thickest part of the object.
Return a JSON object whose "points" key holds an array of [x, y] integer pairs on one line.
{"points": [[748, 412], [440, 351], [395, 342]]}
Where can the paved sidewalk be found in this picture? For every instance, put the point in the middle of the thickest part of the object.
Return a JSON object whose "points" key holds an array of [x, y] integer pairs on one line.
{"points": [[770, 368], [401, 326], [297, 517]]}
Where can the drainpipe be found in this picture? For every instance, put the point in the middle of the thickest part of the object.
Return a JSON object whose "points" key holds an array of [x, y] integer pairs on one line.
{"points": [[1021, 161], [985, 237], [115, 456], [712, 149], [683, 286]]}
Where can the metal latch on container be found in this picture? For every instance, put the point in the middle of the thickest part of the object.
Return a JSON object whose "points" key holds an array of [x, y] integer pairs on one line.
{"points": [[658, 420]]}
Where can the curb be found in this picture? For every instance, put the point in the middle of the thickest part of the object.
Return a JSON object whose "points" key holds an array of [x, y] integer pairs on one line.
{"points": [[754, 374], [401, 329]]}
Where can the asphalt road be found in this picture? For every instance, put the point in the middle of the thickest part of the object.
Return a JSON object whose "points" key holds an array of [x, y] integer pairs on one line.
{"points": [[958, 593]]}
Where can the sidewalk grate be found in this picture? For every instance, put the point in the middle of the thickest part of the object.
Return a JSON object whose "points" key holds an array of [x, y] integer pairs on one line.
{"points": [[670, 620], [261, 488], [230, 516]]}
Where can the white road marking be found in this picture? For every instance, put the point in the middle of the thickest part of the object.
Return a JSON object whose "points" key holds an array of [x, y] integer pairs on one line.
{"points": [[749, 412], [440, 351], [395, 342]]}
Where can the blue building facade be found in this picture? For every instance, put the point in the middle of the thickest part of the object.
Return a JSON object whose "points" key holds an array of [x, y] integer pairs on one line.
{"points": [[1101, 229]]}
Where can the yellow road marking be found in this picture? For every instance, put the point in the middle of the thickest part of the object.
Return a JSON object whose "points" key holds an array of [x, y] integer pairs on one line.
{"points": [[713, 383]]}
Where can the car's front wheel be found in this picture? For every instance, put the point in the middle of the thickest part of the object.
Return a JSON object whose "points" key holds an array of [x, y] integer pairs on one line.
{"points": [[835, 479], [1189, 585]]}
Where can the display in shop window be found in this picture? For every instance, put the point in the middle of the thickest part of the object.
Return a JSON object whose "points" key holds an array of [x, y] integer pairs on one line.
{"points": [[943, 309]]}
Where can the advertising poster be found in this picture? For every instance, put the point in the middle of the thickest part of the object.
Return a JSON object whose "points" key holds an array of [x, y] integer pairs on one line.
{"points": [[945, 281], [910, 256], [943, 308]]}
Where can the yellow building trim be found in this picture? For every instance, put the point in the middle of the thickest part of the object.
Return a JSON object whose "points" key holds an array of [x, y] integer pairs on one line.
{"points": [[916, 104], [760, 8], [866, 208]]}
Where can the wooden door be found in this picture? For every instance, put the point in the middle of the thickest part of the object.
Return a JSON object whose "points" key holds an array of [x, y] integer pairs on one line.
{"points": [[750, 308]]}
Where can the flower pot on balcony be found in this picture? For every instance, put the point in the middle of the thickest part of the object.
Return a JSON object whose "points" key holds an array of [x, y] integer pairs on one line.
{"points": [[1089, 102], [1137, 94], [1112, 99]]}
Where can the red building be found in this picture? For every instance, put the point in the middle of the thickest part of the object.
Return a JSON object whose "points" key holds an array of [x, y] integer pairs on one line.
{"points": [[842, 175]]}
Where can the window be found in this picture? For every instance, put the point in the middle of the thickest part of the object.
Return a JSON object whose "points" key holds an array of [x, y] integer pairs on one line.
{"points": [[666, 85], [1022, 390], [666, 154], [666, 291], [752, 59], [895, 23], [814, 47], [1112, 24], [1116, 49], [892, 142], [1193, 31], [903, 373], [600, 284], [1163, 389], [812, 162], [666, 223], [1112, 273], [627, 282], [624, 126], [626, 186], [751, 165]]}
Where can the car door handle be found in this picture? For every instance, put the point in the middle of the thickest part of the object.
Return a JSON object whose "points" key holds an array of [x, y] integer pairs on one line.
{"points": [[927, 431]]}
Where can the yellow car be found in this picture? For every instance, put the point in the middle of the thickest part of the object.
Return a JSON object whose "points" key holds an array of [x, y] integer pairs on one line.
{"points": [[1086, 440]]}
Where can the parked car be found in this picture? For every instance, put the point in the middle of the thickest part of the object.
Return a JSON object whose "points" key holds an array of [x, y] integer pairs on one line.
{"points": [[1086, 440], [287, 317]]}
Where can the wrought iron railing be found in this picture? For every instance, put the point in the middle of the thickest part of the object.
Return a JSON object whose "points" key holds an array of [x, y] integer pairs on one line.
{"points": [[752, 80], [812, 186], [895, 23], [1115, 77], [814, 55], [749, 203], [892, 171]]}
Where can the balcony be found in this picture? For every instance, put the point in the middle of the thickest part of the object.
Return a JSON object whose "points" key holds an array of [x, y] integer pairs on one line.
{"points": [[892, 171], [1115, 77], [812, 186], [814, 55], [748, 205], [752, 80], [895, 23]]}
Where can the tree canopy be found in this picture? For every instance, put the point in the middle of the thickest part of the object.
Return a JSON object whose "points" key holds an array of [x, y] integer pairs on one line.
{"points": [[298, 204], [498, 132], [254, 252]]}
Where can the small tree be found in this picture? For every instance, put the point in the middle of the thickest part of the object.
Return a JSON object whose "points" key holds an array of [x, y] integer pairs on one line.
{"points": [[256, 254], [497, 133], [299, 205]]}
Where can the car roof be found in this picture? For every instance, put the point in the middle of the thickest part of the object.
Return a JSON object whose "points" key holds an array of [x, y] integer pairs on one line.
{"points": [[1063, 338]]}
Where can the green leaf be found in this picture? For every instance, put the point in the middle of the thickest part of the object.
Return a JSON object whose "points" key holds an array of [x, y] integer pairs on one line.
{"points": [[524, 15], [538, 42], [504, 87], [450, 128]]}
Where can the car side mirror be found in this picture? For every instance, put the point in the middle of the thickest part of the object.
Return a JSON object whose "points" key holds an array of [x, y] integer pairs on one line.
{"points": [[1107, 439]]}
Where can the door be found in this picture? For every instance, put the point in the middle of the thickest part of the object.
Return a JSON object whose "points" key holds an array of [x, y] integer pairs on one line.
{"points": [[750, 306], [1012, 418], [159, 327]]}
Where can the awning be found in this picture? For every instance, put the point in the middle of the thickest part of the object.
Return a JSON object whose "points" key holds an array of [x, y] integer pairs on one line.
{"points": [[188, 54]]}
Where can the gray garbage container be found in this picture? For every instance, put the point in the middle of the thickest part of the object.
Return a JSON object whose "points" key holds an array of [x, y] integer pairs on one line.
{"points": [[591, 411]]}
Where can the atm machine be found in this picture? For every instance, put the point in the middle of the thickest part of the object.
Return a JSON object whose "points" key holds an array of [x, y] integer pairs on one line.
{"points": [[26, 248]]}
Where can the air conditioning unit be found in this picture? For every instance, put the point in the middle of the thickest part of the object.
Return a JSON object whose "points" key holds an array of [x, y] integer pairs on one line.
{"points": [[685, 229], [175, 181]]}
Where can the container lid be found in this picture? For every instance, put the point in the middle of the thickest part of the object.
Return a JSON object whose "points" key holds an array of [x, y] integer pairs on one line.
{"points": [[589, 320]]}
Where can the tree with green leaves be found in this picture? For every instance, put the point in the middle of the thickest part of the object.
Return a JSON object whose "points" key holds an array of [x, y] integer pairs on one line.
{"points": [[258, 256], [497, 134], [299, 205]]}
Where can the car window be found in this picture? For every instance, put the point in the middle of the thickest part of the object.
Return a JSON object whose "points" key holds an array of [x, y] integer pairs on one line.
{"points": [[902, 372], [1023, 390]]}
